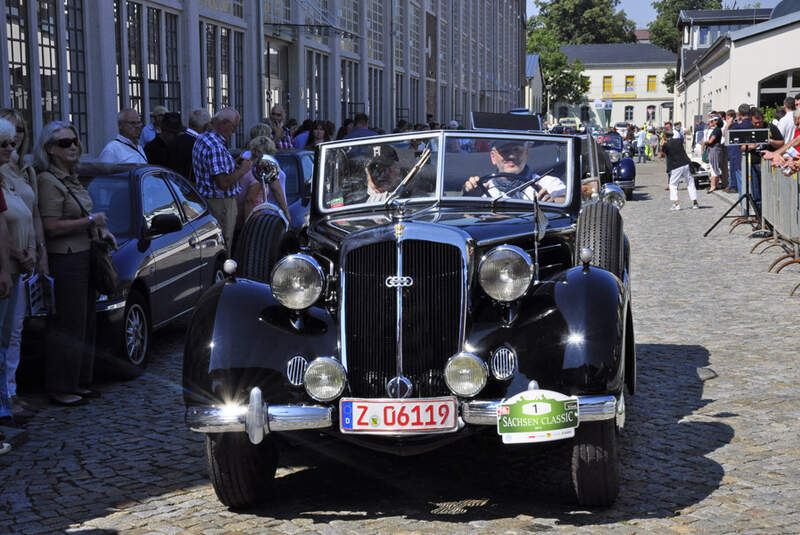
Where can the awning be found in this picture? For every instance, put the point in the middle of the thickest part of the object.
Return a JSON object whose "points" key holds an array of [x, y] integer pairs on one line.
{"points": [[667, 105]]}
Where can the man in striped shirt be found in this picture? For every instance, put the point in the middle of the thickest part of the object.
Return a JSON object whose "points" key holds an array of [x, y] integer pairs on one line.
{"points": [[217, 173]]}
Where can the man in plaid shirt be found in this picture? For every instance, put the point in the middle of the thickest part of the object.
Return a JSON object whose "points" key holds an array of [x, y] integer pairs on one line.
{"points": [[217, 173]]}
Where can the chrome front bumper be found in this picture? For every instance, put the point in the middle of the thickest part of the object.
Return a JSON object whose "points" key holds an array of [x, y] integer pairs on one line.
{"points": [[625, 183], [257, 418]]}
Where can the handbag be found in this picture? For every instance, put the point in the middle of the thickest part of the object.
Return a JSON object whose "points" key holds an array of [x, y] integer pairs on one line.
{"points": [[40, 298], [102, 273]]}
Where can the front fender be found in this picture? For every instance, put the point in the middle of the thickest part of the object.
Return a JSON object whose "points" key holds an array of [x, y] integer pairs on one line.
{"points": [[241, 336], [626, 169]]}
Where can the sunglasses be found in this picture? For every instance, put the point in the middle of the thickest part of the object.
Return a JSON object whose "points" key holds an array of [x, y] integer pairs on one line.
{"points": [[6, 144], [67, 142]]}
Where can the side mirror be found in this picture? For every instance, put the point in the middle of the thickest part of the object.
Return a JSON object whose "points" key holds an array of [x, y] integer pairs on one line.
{"points": [[306, 192], [164, 224]]}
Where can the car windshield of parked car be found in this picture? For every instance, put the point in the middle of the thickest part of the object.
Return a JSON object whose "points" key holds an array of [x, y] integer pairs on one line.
{"points": [[610, 141], [111, 194], [460, 166]]}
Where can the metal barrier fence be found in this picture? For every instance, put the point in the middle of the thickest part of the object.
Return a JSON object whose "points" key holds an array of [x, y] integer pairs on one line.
{"points": [[780, 201]]}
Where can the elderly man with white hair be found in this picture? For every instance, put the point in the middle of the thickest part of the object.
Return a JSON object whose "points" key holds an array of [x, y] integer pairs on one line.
{"points": [[125, 147], [217, 173]]}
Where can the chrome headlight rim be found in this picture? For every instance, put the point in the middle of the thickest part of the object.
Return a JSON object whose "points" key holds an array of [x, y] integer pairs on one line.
{"points": [[614, 156], [488, 257], [320, 361], [311, 261], [611, 193], [478, 387]]}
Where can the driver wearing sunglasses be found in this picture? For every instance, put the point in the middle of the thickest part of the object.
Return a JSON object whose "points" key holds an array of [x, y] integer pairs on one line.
{"points": [[510, 158]]}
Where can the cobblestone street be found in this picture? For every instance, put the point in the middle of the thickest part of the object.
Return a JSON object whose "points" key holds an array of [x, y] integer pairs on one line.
{"points": [[710, 444]]}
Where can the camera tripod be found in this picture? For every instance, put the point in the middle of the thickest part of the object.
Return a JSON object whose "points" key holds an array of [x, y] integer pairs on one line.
{"points": [[749, 202]]}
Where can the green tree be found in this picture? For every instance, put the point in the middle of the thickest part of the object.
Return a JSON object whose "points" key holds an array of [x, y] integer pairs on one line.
{"points": [[670, 77], [664, 29], [584, 22], [563, 81]]}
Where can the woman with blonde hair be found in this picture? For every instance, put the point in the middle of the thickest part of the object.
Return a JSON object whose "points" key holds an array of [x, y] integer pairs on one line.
{"points": [[251, 191], [18, 174], [64, 204]]}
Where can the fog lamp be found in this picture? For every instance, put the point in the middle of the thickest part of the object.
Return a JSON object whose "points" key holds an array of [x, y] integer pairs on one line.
{"points": [[465, 374], [325, 379]]}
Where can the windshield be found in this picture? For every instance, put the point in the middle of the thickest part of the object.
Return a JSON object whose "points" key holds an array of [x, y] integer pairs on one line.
{"points": [[610, 141], [471, 166]]}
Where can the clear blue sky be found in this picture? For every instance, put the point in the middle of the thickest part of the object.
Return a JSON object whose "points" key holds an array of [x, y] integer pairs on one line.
{"points": [[642, 12]]}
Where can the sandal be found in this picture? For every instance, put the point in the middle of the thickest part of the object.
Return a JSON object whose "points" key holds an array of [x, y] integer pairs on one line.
{"points": [[67, 400]]}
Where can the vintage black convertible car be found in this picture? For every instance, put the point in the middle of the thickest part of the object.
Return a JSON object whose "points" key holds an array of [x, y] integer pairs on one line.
{"points": [[447, 283]]}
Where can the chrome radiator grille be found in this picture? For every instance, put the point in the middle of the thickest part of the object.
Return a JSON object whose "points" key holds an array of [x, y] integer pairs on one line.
{"points": [[431, 315]]}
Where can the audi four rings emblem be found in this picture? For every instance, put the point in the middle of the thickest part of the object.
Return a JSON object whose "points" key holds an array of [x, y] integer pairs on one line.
{"points": [[399, 282]]}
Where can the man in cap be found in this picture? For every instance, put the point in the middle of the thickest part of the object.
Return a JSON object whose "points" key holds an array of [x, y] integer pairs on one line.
{"points": [[510, 157], [158, 150], [383, 173], [149, 132]]}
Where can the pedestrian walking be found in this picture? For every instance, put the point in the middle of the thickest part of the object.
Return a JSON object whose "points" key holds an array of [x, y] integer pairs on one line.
{"points": [[678, 169]]}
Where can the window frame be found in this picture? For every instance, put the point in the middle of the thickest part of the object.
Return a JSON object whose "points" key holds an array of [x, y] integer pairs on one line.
{"points": [[607, 84]]}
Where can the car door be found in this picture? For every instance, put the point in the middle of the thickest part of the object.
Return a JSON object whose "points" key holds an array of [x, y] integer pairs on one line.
{"points": [[208, 233], [177, 260]]}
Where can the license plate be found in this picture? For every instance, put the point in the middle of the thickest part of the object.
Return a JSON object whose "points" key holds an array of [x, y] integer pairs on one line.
{"points": [[392, 415]]}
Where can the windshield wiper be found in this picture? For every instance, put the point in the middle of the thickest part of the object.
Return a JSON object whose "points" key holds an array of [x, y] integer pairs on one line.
{"points": [[522, 186], [421, 161]]}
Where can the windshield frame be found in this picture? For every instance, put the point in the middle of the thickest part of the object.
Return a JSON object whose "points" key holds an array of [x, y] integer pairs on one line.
{"points": [[440, 137]]}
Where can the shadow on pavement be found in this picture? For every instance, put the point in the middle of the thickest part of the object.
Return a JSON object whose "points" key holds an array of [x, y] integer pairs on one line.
{"points": [[664, 465]]}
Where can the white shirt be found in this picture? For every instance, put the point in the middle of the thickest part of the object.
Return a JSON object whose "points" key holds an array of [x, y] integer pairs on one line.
{"points": [[122, 150], [786, 126]]}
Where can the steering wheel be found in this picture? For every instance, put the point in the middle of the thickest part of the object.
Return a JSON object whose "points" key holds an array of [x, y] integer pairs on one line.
{"points": [[481, 186]]}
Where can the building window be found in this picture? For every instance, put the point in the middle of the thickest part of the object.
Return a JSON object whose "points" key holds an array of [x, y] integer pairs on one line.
{"points": [[413, 85], [316, 92], [703, 36], [172, 90], [18, 60], [400, 112], [238, 81], [651, 113], [651, 83], [277, 11], [398, 27], [348, 84], [133, 26], [629, 88], [375, 30], [606, 84], [375, 90], [211, 68], [76, 69], [629, 114], [415, 44], [48, 61], [350, 23], [224, 68]]}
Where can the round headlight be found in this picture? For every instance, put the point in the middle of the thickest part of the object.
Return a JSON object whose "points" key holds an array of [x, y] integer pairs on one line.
{"points": [[613, 194], [465, 374], [505, 273], [614, 156], [297, 281], [325, 379]]}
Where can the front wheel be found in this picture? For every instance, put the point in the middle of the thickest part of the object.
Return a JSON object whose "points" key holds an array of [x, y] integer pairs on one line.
{"points": [[132, 358], [595, 468], [241, 472]]}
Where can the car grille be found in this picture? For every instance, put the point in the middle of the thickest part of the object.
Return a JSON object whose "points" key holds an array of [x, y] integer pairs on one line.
{"points": [[431, 315]]}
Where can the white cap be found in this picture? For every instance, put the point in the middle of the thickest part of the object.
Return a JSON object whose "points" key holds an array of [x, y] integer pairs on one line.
{"points": [[453, 124]]}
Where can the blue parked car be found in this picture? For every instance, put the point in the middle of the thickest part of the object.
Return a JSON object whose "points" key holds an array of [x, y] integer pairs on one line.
{"points": [[619, 165]]}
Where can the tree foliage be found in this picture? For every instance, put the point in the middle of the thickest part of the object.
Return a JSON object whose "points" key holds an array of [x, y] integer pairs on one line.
{"points": [[585, 22], [664, 29], [670, 77], [573, 22]]}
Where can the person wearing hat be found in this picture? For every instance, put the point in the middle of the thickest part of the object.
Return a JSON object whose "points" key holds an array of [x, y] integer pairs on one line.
{"points": [[149, 132], [510, 157], [714, 145], [158, 150], [678, 168], [124, 147], [383, 173]]}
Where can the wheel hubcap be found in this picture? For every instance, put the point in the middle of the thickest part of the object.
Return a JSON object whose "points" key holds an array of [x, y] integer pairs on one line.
{"points": [[136, 336]]}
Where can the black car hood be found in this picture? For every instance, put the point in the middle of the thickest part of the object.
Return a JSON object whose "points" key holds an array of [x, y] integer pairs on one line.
{"points": [[480, 224]]}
